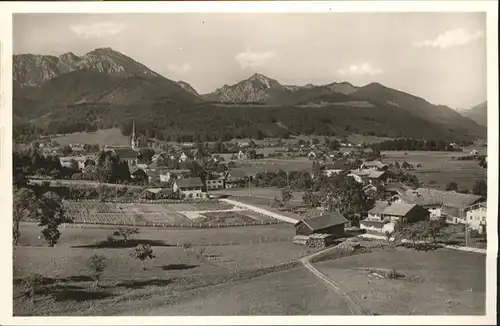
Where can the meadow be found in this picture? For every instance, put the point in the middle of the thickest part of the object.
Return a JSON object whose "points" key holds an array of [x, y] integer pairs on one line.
{"points": [[110, 137], [245, 252], [438, 168], [430, 282]]}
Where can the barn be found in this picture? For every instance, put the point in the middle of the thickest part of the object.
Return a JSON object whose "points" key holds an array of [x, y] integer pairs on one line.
{"points": [[332, 224]]}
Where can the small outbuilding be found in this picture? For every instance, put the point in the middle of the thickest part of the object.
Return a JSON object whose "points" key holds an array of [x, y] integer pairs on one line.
{"points": [[332, 224]]}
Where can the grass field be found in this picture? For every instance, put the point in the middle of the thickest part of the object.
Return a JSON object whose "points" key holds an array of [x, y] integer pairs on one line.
{"points": [[111, 137], [438, 282], [438, 169], [290, 292], [173, 268]]}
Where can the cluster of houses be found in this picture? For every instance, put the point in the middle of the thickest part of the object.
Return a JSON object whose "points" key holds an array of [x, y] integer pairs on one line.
{"points": [[400, 204], [408, 206]]}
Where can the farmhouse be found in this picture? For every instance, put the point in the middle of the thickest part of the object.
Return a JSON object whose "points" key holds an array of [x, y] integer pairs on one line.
{"points": [[369, 190], [235, 178], [368, 176], [454, 205], [448, 204], [189, 187], [477, 217], [376, 212], [374, 165], [69, 161], [394, 188], [167, 175], [215, 183], [408, 213], [336, 167], [333, 224]]}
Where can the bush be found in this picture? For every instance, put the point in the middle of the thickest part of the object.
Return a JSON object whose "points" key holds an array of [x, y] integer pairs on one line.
{"points": [[31, 285], [97, 264], [142, 252]]}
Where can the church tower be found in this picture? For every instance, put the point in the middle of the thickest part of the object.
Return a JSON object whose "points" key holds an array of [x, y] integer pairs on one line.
{"points": [[134, 140]]}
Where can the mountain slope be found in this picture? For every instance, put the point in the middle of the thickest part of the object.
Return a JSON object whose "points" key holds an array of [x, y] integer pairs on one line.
{"points": [[478, 113], [451, 120], [34, 70], [255, 89], [43, 84], [105, 89], [187, 87]]}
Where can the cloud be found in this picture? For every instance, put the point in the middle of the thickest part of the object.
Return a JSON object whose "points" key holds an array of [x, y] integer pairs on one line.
{"points": [[97, 30], [253, 59], [449, 38], [362, 69], [180, 69]]}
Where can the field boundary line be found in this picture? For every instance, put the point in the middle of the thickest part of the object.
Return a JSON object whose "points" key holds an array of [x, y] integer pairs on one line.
{"points": [[459, 248]]}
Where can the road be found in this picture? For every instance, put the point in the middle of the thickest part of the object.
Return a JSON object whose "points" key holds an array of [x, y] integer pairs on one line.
{"points": [[261, 211], [354, 306]]}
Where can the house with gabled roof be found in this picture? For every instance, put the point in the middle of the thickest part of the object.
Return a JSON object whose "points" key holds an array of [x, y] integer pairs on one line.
{"points": [[476, 216], [189, 187], [384, 215], [332, 224], [448, 204], [336, 167], [235, 178], [374, 165]]}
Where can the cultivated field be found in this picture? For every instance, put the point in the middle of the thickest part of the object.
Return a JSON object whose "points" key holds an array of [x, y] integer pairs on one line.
{"points": [[173, 271], [181, 214], [438, 169], [435, 283]]}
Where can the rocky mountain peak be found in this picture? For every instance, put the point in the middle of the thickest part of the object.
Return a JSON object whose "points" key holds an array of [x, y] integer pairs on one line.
{"points": [[34, 70], [186, 86]]}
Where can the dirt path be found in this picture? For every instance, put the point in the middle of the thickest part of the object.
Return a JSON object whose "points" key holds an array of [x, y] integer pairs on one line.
{"points": [[261, 211], [354, 306]]}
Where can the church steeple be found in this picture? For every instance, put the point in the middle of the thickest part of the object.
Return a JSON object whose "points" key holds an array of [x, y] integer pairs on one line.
{"points": [[134, 142]]}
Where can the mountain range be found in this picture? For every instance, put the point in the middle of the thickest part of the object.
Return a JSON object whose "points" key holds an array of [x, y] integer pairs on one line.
{"points": [[105, 88], [478, 113]]}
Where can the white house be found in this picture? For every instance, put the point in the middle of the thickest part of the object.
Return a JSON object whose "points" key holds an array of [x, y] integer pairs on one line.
{"points": [[189, 187], [183, 157], [476, 216]]}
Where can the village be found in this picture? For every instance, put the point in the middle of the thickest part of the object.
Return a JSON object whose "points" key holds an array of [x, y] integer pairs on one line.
{"points": [[196, 171]]}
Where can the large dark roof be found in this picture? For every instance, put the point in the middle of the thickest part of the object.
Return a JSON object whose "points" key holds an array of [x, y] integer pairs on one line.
{"points": [[125, 153], [189, 183], [324, 221], [237, 174], [428, 197]]}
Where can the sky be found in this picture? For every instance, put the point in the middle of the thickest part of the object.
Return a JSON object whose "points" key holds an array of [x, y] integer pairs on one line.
{"points": [[438, 56]]}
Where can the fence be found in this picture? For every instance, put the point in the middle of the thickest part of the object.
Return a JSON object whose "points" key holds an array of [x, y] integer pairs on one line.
{"points": [[214, 243], [202, 225], [146, 201]]}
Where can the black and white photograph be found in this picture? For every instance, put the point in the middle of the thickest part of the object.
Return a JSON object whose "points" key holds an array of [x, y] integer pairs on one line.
{"points": [[255, 161]]}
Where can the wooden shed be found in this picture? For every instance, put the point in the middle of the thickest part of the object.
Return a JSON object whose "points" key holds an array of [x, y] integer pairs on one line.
{"points": [[332, 224]]}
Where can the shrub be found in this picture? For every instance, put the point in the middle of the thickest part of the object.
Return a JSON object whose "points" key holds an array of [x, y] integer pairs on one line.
{"points": [[142, 252], [126, 233], [31, 285], [97, 264]]}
